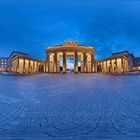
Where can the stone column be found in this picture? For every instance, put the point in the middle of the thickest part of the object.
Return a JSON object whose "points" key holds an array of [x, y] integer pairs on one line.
{"points": [[64, 62], [125, 66], [91, 63], [33, 65], [37, 66], [17, 67], [23, 65], [102, 66], [106, 66], [76, 62], [84, 62], [111, 66], [116, 67], [122, 65], [81, 63], [44, 66], [58, 63], [55, 62], [29, 66], [95, 66], [48, 59]]}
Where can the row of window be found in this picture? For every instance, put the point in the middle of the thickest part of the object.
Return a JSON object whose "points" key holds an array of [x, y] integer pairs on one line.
{"points": [[3, 60], [3, 63], [3, 66]]}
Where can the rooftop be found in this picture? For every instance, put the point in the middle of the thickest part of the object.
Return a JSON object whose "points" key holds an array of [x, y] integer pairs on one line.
{"points": [[16, 52], [123, 52]]}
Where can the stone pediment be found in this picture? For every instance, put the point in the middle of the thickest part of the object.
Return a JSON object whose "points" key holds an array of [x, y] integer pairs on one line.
{"points": [[70, 46]]}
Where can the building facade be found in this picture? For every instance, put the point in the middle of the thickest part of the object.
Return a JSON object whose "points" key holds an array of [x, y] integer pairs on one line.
{"points": [[23, 63], [119, 62], [136, 66], [113, 64], [54, 53], [4, 63], [129, 56]]}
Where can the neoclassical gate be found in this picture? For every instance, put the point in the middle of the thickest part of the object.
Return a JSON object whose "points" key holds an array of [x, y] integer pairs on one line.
{"points": [[70, 48]]}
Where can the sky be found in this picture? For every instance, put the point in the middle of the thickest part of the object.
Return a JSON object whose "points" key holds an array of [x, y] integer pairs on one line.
{"points": [[31, 26]]}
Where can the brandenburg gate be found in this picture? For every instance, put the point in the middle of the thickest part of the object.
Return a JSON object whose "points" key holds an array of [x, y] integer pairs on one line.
{"points": [[69, 48], [56, 60]]}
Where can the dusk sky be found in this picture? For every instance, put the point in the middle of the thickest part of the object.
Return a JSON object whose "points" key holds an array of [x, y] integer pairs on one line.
{"points": [[32, 26]]}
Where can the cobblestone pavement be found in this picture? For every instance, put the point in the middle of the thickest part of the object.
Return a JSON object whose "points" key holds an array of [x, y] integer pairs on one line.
{"points": [[71, 106]]}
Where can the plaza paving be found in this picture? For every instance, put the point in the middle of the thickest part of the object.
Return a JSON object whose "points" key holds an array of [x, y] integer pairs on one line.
{"points": [[71, 106]]}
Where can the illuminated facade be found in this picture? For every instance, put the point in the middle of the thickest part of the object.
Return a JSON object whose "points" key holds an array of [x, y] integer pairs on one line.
{"points": [[23, 63], [113, 64], [71, 48], [117, 63], [84, 62]]}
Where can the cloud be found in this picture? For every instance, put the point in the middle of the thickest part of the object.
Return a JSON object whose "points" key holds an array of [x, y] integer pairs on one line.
{"points": [[32, 26]]}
